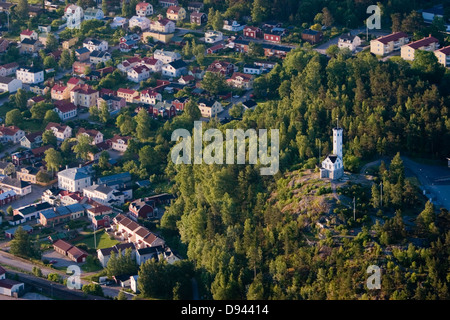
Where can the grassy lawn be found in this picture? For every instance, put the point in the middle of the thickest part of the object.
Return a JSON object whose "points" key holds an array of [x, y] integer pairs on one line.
{"points": [[102, 238]]}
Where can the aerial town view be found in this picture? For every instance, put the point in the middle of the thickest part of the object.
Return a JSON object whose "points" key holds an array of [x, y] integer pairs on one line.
{"points": [[224, 150]]}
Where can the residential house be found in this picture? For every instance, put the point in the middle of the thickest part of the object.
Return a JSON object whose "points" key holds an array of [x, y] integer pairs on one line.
{"points": [[60, 92], [20, 187], [155, 65], [129, 42], [39, 89], [30, 75], [223, 67], [167, 3], [84, 96], [7, 197], [428, 44], [31, 140], [195, 6], [72, 252], [166, 56], [20, 157], [385, 45], [105, 254], [176, 13], [120, 143], [312, 36], [144, 9], [241, 80], [29, 46], [73, 82], [119, 22], [27, 174], [73, 15], [99, 56], [198, 18], [74, 179], [174, 69], [95, 44], [164, 109], [128, 94], [81, 67], [213, 36], [82, 54], [113, 102], [31, 211], [96, 136], [149, 96], [186, 80], [143, 208], [128, 64], [8, 69], [252, 69], [138, 73], [162, 25], [4, 44], [216, 48], [209, 108], [7, 168], [141, 22], [65, 110], [8, 84], [116, 181], [28, 34], [275, 50], [11, 134], [274, 35], [9, 287], [104, 195], [69, 43], [241, 45], [349, 41], [93, 14], [252, 32], [443, 56], [180, 103], [148, 253], [61, 132], [249, 104], [232, 26]]}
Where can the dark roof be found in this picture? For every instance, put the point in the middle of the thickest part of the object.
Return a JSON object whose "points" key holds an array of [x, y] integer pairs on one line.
{"points": [[332, 158], [149, 250], [249, 103], [14, 182], [82, 50], [178, 64], [124, 246], [6, 80], [8, 283], [28, 41], [63, 245], [311, 32]]}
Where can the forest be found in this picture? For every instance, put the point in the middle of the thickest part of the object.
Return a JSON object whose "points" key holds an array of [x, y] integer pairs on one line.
{"points": [[244, 246]]}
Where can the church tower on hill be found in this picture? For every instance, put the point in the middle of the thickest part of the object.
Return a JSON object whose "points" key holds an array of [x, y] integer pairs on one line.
{"points": [[333, 165]]}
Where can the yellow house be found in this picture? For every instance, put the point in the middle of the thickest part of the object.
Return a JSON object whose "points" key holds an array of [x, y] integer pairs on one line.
{"points": [[209, 108], [176, 13], [443, 56], [157, 36], [428, 44], [387, 44]]}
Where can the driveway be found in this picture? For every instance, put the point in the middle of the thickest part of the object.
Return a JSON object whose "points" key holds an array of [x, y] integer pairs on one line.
{"points": [[61, 261]]}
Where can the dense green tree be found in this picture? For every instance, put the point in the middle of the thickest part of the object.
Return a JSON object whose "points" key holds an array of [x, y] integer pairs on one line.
{"points": [[48, 137], [13, 118]]}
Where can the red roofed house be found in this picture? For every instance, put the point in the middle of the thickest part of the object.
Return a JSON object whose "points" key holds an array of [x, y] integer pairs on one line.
{"points": [[224, 67], [387, 44], [443, 56], [144, 9], [128, 94], [66, 249], [142, 208], [252, 32], [119, 143], [61, 132], [84, 96], [73, 82], [138, 73], [60, 92], [215, 49], [149, 96], [65, 110], [429, 44], [128, 64], [28, 34], [11, 134], [176, 13], [155, 65], [97, 136], [180, 103], [241, 80]]}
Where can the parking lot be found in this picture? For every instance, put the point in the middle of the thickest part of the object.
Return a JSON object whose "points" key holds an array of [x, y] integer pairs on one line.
{"points": [[60, 260]]}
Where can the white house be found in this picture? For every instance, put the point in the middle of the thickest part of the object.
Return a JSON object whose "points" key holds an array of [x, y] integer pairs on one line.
{"points": [[74, 179], [95, 45], [120, 143], [61, 132], [333, 165], [99, 56], [141, 22], [30, 75], [252, 69], [74, 15], [10, 287], [10, 84], [348, 41], [213, 36], [144, 9], [93, 14], [166, 56], [103, 194], [209, 108], [138, 73], [174, 69], [11, 134], [150, 97], [163, 25], [65, 110], [153, 64], [233, 26], [118, 22]]}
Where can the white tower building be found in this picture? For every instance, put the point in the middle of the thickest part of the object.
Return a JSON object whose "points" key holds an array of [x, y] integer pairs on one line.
{"points": [[333, 165]]}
